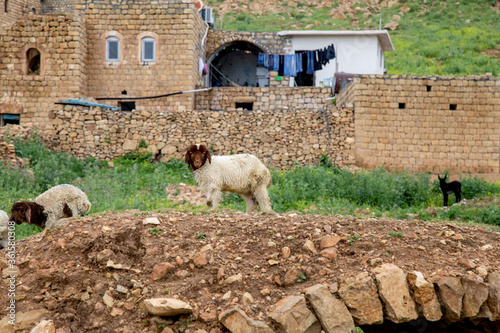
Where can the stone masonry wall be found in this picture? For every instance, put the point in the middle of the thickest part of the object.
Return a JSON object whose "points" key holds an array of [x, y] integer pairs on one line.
{"points": [[427, 123], [279, 137], [225, 98], [269, 42], [177, 29], [17, 9], [62, 46]]}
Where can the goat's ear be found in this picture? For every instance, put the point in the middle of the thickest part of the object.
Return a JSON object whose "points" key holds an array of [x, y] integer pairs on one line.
{"points": [[439, 178], [209, 157], [187, 158]]}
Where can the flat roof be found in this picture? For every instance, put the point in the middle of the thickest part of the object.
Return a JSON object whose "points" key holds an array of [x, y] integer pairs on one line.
{"points": [[382, 35]]}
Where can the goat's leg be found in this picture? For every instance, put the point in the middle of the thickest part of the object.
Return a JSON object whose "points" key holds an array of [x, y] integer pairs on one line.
{"points": [[445, 197], [262, 198], [213, 197], [458, 196], [251, 202]]}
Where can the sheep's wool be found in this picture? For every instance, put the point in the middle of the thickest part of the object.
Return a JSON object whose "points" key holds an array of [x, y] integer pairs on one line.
{"points": [[4, 231], [234, 173], [53, 201], [244, 174]]}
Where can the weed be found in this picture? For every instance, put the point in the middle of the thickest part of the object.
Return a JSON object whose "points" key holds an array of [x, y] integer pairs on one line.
{"points": [[301, 278], [201, 235], [154, 231], [395, 234], [354, 238]]}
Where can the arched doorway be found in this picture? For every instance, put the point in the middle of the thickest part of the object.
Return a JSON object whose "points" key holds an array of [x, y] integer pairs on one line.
{"points": [[235, 65]]}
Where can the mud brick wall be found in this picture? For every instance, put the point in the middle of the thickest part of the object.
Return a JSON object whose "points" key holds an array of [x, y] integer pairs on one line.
{"points": [[280, 137], [62, 45], [427, 123], [226, 98]]}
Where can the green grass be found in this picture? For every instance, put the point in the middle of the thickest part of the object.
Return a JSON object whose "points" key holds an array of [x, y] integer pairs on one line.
{"points": [[451, 38], [136, 183]]}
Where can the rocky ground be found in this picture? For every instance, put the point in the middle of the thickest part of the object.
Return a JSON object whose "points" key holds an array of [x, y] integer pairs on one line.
{"points": [[95, 274]]}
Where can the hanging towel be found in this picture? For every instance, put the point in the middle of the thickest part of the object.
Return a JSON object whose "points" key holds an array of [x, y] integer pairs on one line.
{"points": [[276, 66], [330, 52], [266, 61], [260, 59], [310, 62], [288, 64], [298, 62]]}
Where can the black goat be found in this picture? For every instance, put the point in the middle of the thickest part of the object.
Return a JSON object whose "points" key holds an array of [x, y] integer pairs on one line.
{"points": [[448, 188]]}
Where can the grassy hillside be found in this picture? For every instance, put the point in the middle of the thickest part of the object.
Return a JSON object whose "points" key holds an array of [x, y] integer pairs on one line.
{"points": [[460, 37], [136, 183]]}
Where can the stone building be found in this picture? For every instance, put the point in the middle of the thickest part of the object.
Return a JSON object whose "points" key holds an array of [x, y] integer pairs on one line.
{"points": [[132, 55], [148, 55]]}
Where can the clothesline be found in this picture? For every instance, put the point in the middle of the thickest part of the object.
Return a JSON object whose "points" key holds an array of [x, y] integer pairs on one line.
{"points": [[292, 64]]}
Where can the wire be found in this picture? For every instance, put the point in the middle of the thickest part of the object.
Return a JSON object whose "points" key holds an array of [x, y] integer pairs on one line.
{"points": [[147, 97]]}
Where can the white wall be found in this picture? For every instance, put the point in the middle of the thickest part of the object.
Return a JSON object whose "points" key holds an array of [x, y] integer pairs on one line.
{"points": [[354, 54]]}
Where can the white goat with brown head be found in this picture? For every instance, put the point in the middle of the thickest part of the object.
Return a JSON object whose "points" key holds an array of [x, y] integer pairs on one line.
{"points": [[243, 174]]}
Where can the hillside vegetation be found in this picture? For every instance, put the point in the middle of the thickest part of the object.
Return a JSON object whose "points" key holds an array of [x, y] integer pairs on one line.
{"points": [[458, 38]]}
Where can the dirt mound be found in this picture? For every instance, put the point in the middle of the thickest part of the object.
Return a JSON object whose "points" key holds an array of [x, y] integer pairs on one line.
{"points": [[94, 274]]}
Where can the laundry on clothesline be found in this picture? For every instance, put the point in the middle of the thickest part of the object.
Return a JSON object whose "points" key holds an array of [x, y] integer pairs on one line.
{"points": [[303, 61]]}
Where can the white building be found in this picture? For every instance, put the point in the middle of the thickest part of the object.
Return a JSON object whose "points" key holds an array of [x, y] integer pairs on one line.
{"points": [[357, 52]]}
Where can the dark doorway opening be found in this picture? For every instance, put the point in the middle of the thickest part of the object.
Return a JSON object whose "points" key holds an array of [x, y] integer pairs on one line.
{"points": [[235, 65]]}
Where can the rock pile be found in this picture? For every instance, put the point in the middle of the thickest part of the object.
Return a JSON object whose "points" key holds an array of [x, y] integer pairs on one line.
{"points": [[195, 273]]}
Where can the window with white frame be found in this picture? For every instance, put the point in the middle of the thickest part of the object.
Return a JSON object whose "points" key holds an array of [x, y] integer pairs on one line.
{"points": [[148, 49], [112, 49]]}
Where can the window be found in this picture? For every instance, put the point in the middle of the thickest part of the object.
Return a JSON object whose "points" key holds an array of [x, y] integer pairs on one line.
{"points": [[112, 49], [148, 49], [9, 119], [5, 5], [248, 106], [453, 107], [402, 105], [126, 106], [33, 61]]}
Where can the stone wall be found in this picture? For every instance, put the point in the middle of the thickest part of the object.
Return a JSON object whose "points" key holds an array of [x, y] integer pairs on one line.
{"points": [[62, 45], [225, 98], [386, 295], [73, 61], [269, 42], [16, 9], [177, 29], [279, 137], [427, 123]]}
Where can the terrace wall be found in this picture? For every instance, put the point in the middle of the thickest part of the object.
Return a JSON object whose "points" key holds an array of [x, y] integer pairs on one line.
{"points": [[280, 137]]}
